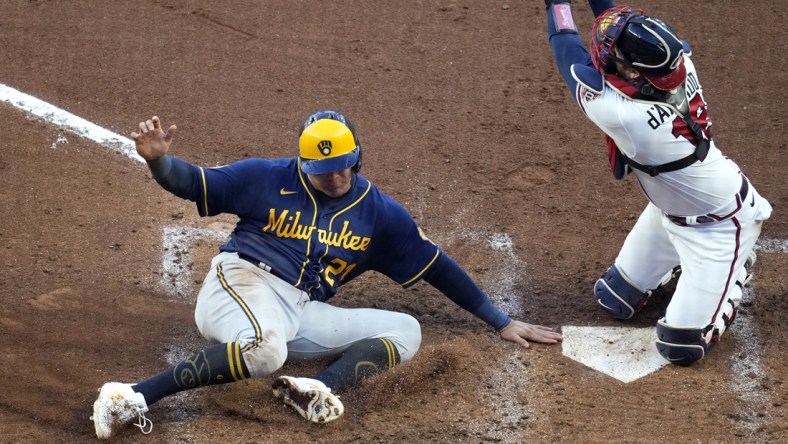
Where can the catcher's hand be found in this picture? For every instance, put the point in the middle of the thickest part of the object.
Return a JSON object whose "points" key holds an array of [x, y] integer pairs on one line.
{"points": [[518, 331], [152, 142]]}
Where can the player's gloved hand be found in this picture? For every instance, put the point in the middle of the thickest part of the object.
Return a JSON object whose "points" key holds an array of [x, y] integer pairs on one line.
{"points": [[152, 142], [521, 333]]}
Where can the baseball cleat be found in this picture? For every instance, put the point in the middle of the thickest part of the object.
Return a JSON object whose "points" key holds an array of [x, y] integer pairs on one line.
{"points": [[751, 259], [117, 405], [309, 397]]}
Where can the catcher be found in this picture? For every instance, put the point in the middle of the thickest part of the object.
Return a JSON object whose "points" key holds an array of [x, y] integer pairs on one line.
{"points": [[639, 85], [306, 226]]}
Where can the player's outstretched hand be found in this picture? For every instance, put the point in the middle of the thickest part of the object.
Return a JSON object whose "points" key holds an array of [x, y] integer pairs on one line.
{"points": [[151, 141], [521, 333]]}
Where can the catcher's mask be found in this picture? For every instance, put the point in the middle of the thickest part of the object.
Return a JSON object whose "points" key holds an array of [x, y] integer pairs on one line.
{"points": [[645, 43], [328, 143]]}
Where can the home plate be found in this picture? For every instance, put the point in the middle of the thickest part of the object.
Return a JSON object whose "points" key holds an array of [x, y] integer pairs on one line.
{"points": [[624, 353]]}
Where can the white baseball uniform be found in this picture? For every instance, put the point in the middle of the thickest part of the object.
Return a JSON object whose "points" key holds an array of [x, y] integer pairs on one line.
{"points": [[705, 217]]}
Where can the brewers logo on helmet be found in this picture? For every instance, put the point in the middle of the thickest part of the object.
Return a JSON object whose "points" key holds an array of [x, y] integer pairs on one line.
{"points": [[328, 143]]}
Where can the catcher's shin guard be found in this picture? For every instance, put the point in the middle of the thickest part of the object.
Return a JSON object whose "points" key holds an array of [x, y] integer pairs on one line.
{"points": [[682, 346], [619, 297]]}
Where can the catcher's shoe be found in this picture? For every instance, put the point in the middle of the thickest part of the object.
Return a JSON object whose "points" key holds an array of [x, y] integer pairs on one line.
{"points": [[117, 405], [751, 259], [309, 397]]}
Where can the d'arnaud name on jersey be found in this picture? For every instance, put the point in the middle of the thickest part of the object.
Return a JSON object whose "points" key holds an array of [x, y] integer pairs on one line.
{"points": [[287, 226]]}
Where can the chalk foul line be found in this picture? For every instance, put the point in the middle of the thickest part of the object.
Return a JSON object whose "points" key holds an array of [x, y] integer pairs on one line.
{"points": [[69, 122]]}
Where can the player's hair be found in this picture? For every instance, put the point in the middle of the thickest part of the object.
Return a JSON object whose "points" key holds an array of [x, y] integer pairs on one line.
{"points": [[327, 143]]}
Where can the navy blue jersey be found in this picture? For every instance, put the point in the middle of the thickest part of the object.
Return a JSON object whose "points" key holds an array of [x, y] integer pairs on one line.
{"points": [[314, 246], [315, 243]]}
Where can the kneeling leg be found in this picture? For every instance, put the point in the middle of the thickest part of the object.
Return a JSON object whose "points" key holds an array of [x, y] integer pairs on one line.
{"points": [[617, 295], [682, 346], [685, 346]]}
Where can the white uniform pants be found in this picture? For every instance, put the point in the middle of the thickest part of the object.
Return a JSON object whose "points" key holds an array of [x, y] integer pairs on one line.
{"points": [[273, 320], [711, 256]]}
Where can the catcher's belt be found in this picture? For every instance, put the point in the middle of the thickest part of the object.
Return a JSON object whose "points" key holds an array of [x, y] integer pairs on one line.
{"points": [[685, 221]]}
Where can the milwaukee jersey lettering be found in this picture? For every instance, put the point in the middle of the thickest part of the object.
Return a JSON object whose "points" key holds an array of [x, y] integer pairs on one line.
{"points": [[314, 243]]}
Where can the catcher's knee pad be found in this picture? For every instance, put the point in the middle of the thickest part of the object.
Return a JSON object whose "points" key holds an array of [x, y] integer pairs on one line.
{"points": [[684, 346], [617, 295]]}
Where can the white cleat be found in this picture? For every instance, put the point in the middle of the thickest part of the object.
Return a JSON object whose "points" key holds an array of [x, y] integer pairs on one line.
{"points": [[117, 405], [309, 397]]}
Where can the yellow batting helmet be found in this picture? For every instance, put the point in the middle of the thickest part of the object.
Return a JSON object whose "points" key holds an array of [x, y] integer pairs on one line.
{"points": [[328, 143]]}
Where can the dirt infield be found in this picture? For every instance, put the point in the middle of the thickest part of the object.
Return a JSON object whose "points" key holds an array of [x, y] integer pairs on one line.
{"points": [[464, 119]]}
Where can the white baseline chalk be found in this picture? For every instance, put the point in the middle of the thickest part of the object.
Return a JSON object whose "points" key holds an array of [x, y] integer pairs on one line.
{"points": [[177, 261], [68, 121], [769, 245]]}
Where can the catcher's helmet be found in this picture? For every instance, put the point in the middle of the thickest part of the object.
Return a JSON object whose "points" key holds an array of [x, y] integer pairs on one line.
{"points": [[328, 143], [646, 43]]}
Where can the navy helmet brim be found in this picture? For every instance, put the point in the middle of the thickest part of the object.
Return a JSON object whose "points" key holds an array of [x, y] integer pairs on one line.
{"points": [[330, 165]]}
